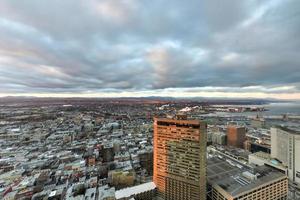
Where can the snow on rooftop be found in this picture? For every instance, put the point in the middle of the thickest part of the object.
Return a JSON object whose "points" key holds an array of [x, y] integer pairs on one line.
{"points": [[52, 194], [128, 192], [15, 130], [186, 109]]}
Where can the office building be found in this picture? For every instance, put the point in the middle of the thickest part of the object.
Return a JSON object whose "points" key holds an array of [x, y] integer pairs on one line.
{"points": [[218, 138], [228, 180], [180, 158], [285, 147], [257, 147], [294, 158], [279, 145], [236, 136]]}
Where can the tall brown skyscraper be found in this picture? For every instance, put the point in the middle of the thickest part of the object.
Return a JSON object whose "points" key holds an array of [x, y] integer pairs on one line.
{"points": [[180, 159], [236, 136]]}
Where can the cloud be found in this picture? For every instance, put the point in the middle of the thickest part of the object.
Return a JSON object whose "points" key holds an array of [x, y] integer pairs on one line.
{"points": [[149, 47]]}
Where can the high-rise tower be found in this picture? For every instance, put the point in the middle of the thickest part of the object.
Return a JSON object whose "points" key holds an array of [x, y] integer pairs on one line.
{"points": [[180, 158], [236, 136], [285, 147]]}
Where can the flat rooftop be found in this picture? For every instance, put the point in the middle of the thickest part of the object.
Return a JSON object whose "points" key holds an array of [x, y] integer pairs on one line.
{"points": [[267, 158], [291, 129], [128, 192], [235, 178]]}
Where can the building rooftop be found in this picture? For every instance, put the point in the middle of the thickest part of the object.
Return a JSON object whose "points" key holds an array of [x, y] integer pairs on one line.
{"points": [[128, 192], [236, 179], [175, 121], [106, 192], [290, 129], [90, 194], [267, 159]]}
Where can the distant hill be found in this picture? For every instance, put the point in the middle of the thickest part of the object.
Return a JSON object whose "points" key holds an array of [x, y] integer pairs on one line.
{"points": [[151, 99]]}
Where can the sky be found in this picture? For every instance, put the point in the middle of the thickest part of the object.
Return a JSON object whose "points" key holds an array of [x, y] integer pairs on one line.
{"points": [[134, 48]]}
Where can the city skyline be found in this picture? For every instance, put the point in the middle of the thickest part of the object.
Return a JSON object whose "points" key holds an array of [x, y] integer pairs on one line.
{"points": [[131, 48]]}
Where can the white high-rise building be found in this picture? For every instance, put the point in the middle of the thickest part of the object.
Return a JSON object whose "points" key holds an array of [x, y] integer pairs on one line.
{"points": [[279, 145], [285, 147], [294, 158]]}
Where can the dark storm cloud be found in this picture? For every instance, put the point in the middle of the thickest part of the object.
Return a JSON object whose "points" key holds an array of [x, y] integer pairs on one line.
{"points": [[138, 45]]}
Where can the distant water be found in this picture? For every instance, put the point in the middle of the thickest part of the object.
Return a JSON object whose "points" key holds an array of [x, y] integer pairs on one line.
{"points": [[292, 108]]}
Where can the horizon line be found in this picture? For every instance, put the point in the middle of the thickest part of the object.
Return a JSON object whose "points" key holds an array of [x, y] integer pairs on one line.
{"points": [[141, 97]]}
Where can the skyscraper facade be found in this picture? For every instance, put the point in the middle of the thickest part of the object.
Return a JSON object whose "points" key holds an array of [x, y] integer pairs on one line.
{"points": [[279, 145], [285, 147], [294, 158], [180, 159], [236, 136]]}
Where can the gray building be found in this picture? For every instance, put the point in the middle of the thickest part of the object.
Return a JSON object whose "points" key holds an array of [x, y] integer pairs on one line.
{"points": [[279, 145], [228, 180], [285, 146]]}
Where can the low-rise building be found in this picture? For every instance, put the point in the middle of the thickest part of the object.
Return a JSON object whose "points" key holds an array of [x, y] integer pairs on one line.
{"points": [[262, 158], [229, 181], [146, 191]]}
